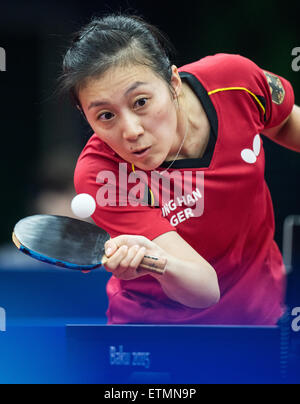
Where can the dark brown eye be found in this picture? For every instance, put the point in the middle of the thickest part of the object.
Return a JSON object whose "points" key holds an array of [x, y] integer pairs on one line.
{"points": [[106, 116], [141, 102]]}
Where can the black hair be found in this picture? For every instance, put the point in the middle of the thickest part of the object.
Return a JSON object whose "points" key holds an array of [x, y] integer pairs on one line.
{"points": [[114, 40]]}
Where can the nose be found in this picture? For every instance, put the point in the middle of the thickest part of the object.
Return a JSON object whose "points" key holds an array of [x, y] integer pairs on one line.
{"points": [[131, 128]]}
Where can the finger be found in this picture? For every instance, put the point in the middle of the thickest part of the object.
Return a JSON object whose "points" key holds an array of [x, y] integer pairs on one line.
{"points": [[113, 244], [110, 247], [137, 260], [126, 262], [132, 271], [114, 261]]}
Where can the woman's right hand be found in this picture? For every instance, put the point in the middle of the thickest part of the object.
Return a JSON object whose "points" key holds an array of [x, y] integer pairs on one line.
{"points": [[125, 254]]}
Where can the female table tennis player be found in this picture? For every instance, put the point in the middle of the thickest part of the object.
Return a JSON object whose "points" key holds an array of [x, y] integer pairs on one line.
{"points": [[205, 118]]}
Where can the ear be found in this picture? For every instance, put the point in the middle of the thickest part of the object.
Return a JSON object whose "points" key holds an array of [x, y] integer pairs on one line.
{"points": [[176, 82]]}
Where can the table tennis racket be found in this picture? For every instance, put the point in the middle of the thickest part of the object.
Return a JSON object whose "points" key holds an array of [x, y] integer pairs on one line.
{"points": [[69, 243]]}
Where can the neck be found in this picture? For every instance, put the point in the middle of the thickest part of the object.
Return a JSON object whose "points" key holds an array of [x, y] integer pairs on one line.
{"points": [[197, 122]]}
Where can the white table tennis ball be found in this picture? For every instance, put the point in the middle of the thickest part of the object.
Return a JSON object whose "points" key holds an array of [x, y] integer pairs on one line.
{"points": [[83, 205]]}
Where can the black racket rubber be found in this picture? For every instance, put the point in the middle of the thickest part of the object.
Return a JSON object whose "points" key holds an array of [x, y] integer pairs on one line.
{"points": [[62, 241]]}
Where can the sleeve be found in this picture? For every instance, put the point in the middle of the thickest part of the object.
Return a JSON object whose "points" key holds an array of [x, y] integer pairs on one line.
{"points": [[133, 219], [279, 96], [273, 94]]}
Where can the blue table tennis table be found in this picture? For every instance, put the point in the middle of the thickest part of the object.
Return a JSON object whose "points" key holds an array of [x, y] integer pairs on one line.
{"points": [[173, 354]]}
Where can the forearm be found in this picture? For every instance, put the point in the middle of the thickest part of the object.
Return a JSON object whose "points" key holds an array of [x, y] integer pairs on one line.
{"points": [[289, 134], [191, 284]]}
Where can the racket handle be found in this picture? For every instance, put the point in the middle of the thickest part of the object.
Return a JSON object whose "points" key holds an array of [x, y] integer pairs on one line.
{"points": [[154, 264], [151, 264]]}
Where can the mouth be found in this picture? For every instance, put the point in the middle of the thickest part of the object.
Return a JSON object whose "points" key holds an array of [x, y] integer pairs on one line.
{"points": [[142, 152]]}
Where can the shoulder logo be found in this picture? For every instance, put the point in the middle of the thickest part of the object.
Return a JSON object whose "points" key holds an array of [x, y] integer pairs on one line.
{"points": [[249, 155], [276, 88]]}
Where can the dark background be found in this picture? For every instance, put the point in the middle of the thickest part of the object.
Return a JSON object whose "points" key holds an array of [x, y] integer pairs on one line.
{"points": [[42, 136]]}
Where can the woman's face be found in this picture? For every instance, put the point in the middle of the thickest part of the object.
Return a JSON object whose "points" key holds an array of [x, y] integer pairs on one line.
{"points": [[134, 112]]}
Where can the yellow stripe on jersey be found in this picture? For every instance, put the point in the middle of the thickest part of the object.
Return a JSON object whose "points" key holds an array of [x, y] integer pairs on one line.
{"points": [[152, 197], [151, 193], [218, 90]]}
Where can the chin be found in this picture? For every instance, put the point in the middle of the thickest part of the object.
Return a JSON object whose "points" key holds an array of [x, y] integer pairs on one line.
{"points": [[144, 167], [147, 167]]}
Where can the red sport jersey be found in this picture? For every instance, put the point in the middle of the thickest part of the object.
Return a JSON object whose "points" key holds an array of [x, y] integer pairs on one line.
{"points": [[220, 204]]}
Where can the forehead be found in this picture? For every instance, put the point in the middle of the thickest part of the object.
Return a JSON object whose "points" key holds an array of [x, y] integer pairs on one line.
{"points": [[117, 80]]}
